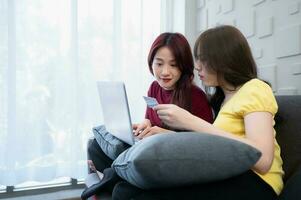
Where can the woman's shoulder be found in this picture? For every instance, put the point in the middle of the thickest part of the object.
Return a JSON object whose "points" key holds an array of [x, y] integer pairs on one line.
{"points": [[256, 85], [154, 84], [153, 88], [197, 89], [255, 88], [255, 95], [198, 92]]}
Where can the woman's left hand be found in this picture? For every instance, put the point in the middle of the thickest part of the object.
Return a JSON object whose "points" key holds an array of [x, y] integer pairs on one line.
{"points": [[173, 116]]}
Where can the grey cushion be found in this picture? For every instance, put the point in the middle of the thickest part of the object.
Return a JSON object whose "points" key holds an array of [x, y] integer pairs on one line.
{"points": [[109, 144], [175, 159]]}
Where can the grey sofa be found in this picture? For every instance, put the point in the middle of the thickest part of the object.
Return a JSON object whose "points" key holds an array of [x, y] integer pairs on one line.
{"points": [[288, 128]]}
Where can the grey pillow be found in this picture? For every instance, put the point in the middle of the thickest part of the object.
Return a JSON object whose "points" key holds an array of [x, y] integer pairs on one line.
{"points": [[177, 159], [109, 144]]}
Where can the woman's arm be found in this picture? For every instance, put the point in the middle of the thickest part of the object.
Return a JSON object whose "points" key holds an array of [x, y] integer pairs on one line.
{"points": [[258, 128]]}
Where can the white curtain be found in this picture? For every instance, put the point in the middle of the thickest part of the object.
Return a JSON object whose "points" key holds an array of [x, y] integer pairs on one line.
{"points": [[52, 52]]}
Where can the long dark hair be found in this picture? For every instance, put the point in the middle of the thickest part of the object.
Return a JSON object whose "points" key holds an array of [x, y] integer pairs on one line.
{"points": [[225, 51], [181, 51]]}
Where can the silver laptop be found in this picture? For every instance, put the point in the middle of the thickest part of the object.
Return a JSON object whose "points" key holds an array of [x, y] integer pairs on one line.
{"points": [[116, 113]]}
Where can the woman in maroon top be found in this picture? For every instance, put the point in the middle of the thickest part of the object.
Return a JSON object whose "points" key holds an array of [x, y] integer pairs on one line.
{"points": [[171, 63]]}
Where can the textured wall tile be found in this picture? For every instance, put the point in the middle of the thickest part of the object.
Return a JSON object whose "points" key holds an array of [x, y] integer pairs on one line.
{"points": [[257, 53], [288, 41], [269, 73], [257, 2], [294, 8], [273, 29], [265, 27], [246, 23], [218, 9], [296, 69], [227, 6]]}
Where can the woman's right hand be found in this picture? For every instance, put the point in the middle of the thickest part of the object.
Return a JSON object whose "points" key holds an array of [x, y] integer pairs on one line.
{"points": [[138, 128], [174, 116]]}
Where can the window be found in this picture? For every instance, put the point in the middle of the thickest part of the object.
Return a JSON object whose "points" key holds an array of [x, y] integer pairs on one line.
{"points": [[51, 54]]}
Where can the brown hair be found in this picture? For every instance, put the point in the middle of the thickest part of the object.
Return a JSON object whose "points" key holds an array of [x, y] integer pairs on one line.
{"points": [[225, 51], [180, 49]]}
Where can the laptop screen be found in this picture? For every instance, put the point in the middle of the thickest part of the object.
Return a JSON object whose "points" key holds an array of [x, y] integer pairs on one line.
{"points": [[115, 110]]}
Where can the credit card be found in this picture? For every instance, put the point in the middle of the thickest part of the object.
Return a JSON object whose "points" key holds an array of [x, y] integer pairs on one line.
{"points": [[150, 101]]}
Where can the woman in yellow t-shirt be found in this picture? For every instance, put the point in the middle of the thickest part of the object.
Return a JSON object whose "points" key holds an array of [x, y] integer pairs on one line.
{"points": [[245, 108]]}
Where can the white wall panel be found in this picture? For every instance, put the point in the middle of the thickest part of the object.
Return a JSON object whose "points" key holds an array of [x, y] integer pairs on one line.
{"points": [[288, 41], [227, 6], [296, 69], [273, 30], [294, 8], [246, 23], [218, 8], [257, 53], [268, 73], [289, 77], [265, 27], [257, 2]]}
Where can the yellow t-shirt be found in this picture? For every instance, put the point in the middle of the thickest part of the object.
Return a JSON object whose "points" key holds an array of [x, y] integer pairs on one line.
{"points": [[254, 96]]}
